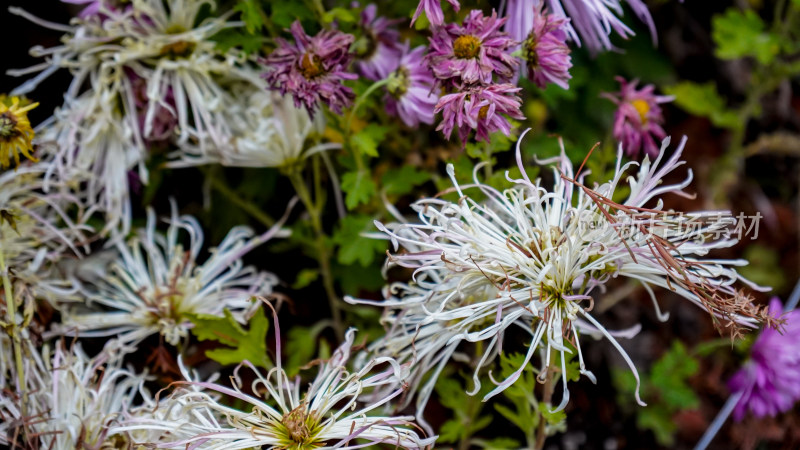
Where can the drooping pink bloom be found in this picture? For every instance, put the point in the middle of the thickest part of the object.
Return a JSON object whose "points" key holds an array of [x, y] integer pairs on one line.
{"points": [[473, 52], [480, 108], [433, 10], [379, 50], [545, 52], [591, 22], [312, 69], [638, 120], [410, 93], [770, 382]]}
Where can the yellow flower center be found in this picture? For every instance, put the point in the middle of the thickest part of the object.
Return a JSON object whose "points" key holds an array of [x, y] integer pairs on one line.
{"points": [[466, 46], [398, 82], [483, 112], [642, 107], [310, 66], [179, 49], [300, 429], [8, 126]]}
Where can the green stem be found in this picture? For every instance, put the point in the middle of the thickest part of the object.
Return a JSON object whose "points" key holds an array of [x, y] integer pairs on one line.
{"points": [[547, 397], [323, 257], [14, 332], [349, 125], [246, 206]]}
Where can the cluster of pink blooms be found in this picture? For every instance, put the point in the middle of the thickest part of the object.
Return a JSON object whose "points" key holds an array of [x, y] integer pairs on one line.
{"points": [[468, 73]]}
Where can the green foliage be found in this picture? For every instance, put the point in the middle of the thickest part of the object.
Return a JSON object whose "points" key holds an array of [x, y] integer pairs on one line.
{"points": [[466, 408], [353, 247], [739, 34], [252, 15], [340, 15], [703, 100], [525, 413], [367, 140], [240, 344], [301, 344], [664, 388], [284, 13], [305, 277], [359, 187], [501, 443], [403, 180], [764, 267]]}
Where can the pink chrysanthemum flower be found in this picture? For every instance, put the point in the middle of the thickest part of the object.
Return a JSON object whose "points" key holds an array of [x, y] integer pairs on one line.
{"points": [[591, 21], [433, 10], [410, 92], [312, 69], [770, 382], [379, 49], [638, 120], [545, 53], [473, 52], [481, 108]]}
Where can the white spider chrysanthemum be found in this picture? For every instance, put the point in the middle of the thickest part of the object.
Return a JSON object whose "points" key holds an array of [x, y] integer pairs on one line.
{"points": [[36, 232], [143, 74], [532, 257], [269, 130], [327, 415], [155, 284], [73, 401]]}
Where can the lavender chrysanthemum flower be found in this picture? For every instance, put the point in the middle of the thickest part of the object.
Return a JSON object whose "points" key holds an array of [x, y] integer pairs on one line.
{"points": [[410, 92], [770, 382], [473, 52], [638, 120], [433, 10], [545, 53], [379, 49], [591, 21], [312, 69], [481, 108]]}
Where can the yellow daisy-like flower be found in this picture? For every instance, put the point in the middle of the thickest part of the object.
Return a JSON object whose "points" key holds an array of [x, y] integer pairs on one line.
{"points": [[16, 134]]}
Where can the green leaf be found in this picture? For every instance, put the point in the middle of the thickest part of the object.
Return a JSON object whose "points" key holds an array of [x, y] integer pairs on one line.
{"points": [[669, 376], [340, 15], [300, 346], [252, 15], [284, 13], [660, 422], [367, 140], [764, 268], [742, 33], [703, 100], [403, 180], [244, 344], [552, 418], [359, 188], [352, 245], [305, 277], [231, 38]]}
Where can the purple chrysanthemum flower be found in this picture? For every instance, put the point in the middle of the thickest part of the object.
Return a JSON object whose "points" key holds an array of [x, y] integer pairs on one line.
{"points": [[638, 120], [312, 69], [770, 382], [545, 53], [93, 7], [378, 51], [433, 10], [590, 20], [480, 108], [472, 53], [410, 92]]}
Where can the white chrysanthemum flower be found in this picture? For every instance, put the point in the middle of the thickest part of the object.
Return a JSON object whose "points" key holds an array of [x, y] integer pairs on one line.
{"points": [[143, 74], [36, 231], [73, 400], [93, 146], [269, 130], [327, 415], [155, 284], [532, 257]]}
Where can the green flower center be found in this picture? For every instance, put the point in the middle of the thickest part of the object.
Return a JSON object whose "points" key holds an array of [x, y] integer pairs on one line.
{"points": [[8, 126], [398, 82]]}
